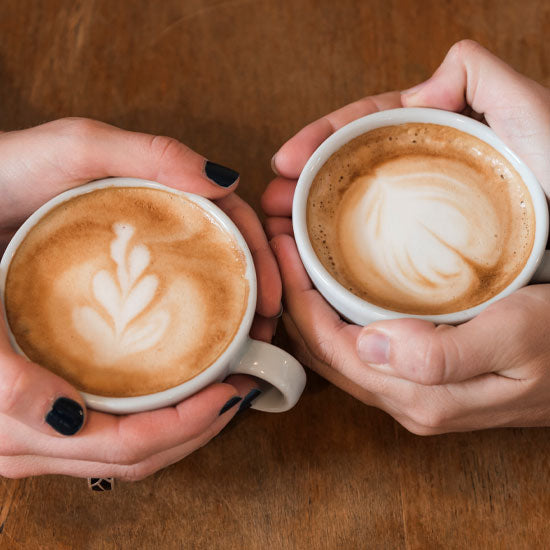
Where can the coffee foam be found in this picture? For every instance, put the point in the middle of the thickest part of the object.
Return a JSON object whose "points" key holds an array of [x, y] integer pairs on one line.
{"points": [[421, 219], [126, 291]]}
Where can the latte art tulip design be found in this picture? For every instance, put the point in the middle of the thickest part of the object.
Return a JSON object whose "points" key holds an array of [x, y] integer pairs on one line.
{"points": [[118, 326], [127, 291], [425, 233]]}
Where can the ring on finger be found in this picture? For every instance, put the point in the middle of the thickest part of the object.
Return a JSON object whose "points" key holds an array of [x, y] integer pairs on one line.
{"points": [[101, 484]]}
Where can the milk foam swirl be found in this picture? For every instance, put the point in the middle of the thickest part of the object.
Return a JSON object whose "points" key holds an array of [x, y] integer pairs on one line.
{"points": [[421, 232], [126, 291], [122, 300], [420, 218]]}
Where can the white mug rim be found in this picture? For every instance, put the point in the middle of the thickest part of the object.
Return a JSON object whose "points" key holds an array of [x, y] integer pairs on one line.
{"points": [[360, 311], [214, 372]]}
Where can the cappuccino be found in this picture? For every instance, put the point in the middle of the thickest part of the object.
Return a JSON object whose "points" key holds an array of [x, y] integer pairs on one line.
{"points": [[126, 291], [421, 219]]}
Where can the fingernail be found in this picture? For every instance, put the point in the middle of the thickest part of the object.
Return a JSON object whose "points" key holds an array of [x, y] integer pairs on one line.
{"points": [[249, 398], [231, 403], [273, 165], [220, 175], [414, 89], [66, 416], [374, 347], [279, 313]]}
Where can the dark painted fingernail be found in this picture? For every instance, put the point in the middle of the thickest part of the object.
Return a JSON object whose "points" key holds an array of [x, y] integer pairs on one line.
{"points": [[248, 399], [66, 416], [231, 403], [220, 175]]}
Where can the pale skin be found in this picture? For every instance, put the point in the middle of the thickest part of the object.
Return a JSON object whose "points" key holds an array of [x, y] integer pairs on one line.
{"points": [[493, 371], [37, 164]]}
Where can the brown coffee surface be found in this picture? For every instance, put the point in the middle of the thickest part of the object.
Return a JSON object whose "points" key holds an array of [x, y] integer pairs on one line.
{"points": [[126, 291], [420, 218]]}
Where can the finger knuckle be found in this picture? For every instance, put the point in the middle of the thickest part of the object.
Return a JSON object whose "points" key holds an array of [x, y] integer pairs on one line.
{"points": [[126, 456], [166, 150], [77, 126], [432, 369], [127, 453], [429, 419], [77, 134], [136, 472], [129, 446], [465, 49], [418, 429]]}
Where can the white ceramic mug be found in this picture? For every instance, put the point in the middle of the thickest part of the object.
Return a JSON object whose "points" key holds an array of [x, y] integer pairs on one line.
{"points": [[361, 312], [282, 377]]}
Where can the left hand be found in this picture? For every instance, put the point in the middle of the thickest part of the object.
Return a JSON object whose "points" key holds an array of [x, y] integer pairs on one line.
{"points": [[39, 163], [492, 371], [41, 429]]}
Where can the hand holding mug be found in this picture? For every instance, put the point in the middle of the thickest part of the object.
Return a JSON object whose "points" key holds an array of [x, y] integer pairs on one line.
{"points": [[486, 372], [38, 408]]}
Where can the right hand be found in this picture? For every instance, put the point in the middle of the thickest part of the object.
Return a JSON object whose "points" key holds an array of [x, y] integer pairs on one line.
{"points": [[491, 371], [40, 434]]}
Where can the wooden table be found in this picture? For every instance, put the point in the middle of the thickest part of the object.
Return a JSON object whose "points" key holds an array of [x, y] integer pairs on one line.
{"points": [[234, 79]]}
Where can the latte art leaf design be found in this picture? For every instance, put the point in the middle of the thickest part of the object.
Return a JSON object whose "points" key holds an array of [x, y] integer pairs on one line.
{"points": [[424, 233], [123, 300]]}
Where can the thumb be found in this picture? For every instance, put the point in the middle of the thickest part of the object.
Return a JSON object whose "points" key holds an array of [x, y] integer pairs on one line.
{"points": [[471, 75], [427, 354], [515, 107], [37, 397]]}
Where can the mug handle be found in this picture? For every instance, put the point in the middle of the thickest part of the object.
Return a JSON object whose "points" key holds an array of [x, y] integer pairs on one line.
{"points": [[283, 377], [542, 274]]}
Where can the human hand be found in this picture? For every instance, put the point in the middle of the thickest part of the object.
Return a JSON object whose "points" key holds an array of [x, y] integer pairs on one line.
{"points": [[491, 371], [41, 162], [37, 164]]}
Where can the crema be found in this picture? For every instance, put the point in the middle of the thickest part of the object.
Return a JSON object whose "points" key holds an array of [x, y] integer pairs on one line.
{"points": [[126, 291], [421, 219]]}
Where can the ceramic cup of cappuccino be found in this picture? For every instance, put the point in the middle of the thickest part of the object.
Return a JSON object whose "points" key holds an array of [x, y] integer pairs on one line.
{"points": [[419, 213], [139, 295]]}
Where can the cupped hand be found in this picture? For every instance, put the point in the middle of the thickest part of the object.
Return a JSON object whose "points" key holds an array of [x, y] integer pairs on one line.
{"points": [[38, 410], [491, 371], [41, 162]]}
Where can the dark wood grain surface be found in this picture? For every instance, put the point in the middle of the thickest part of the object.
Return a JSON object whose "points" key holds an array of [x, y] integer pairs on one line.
{"points": [[234, 79]]}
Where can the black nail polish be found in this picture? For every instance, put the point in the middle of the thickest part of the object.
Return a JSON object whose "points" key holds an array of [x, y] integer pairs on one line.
{"points": [[220, 175], [66, 416], [249, 399], [231, 403]]}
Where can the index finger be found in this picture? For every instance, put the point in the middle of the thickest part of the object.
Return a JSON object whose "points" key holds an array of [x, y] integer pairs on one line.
{"points": [[70, 152], [293, 155]]}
